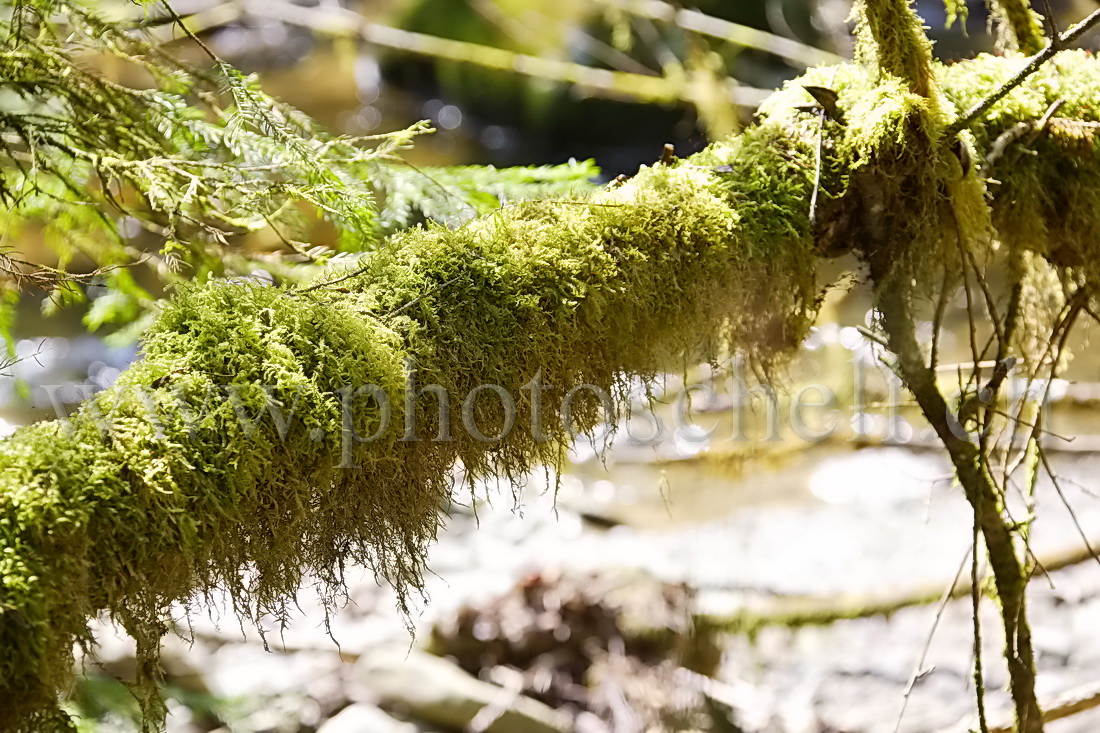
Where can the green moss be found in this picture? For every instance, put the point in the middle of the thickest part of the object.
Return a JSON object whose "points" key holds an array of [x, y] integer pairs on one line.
{"points": [[1019, 27], [158, 491], [1045, 185], [900, 196], [179, 479], [891, 39], [1039, 195]]}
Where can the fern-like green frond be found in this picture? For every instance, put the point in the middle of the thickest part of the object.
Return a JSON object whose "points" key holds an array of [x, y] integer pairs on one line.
{"points": [[178, 176]]}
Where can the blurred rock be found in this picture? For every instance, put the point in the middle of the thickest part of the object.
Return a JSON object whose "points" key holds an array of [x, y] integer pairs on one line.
{"points": [[362, 718], [435, 690]]}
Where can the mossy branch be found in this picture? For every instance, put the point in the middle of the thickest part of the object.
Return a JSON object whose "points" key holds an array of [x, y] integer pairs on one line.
{"points": [[904, 206], [180, 479], [188, 475], [1020, 27], [892, 38], [1053, 47], [804, 610]]}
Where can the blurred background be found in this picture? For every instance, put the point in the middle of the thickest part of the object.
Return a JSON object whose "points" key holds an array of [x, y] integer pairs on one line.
{"points": [[742, 579]]}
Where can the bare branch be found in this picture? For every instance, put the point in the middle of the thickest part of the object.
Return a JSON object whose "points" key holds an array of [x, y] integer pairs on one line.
{"points": [[613, 84], [741, 35]]}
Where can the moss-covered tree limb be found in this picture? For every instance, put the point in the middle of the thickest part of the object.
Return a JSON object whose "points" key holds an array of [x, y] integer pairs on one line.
{"points": [[1020, 28], [890, 235], [161, 489], [819, 610], [895, 237], [1055, 45], [181, 479], [908, 207], [907, 54], [890, 241]]}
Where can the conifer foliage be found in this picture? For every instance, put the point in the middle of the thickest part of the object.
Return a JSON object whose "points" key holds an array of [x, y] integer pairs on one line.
{"points": [[175, 174]]}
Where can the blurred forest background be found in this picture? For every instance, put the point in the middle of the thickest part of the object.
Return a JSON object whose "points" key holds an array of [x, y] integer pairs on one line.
{"points": [[693, 583]]}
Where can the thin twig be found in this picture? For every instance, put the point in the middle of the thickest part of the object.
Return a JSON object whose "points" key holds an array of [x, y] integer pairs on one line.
{"points": [[330, 283], [1054, 350], [822, 114], [937, 319], [741, 35], [292, 245], [973, 326], [1032, 66], [1036, 426], [183, 26], [918, 669], [1052, 24], [989, 301], [898, 319], [817, 165], [1065, 502], [975, 601], [1015, 133], [1033, 443], [25, 273]]}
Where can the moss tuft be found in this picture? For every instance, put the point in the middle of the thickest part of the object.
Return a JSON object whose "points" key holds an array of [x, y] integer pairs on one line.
{"points": [[1044, 182], [891, 39], [189, 475], [1019, 27]]}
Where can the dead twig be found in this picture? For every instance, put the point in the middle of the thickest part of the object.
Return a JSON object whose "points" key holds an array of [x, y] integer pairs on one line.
{"points": [[918, 669]]}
